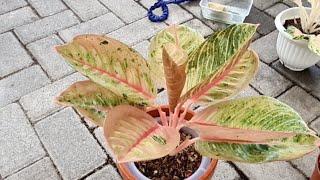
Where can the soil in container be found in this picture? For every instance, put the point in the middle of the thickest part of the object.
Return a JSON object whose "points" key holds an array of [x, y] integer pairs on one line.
{"points": [[180, 166], [296, 22]]}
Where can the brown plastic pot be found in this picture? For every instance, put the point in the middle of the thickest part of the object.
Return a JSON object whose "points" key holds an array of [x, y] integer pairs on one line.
{"points": [[126, 173], [316, 171]]}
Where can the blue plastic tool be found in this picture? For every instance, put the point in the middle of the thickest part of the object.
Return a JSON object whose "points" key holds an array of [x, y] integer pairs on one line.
{"points": [[165, 11]]}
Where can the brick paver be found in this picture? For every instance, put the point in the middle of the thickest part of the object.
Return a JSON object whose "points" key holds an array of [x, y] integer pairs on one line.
{"points": [[41, 170], [9, 5], [16, 18], [44, 52], [47, 8], [40, 140], [270, 82], [100, 25], [40, 103], [86, 9], [275, 170], [128, 10], [19, 143], [302, 102], [21, 83], [13, 56], [72, 148], [108, 172], [46, 26]]}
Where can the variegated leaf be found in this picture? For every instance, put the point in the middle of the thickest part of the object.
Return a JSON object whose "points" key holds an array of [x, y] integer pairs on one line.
{"points": [[183, 36], [314, 44], [296, 33], [174, 69], [133, 135], [91, 100], [289, 136], [94, 115], [111, 64], [221, 66]]}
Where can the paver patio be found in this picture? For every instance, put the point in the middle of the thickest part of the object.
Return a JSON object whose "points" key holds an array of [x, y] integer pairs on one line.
{"points": [[39, 140]]}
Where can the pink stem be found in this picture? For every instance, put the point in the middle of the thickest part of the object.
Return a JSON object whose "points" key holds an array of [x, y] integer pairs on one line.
{"points": [[163, 117], [184, 145], [175, 117], [183, 115]]}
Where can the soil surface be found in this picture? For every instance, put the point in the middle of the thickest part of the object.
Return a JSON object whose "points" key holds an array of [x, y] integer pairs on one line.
{"points": [[180, 166], [297, 23]]}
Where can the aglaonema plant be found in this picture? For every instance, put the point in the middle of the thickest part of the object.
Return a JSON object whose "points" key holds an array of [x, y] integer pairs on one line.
{"points": [[123, 86], [310, 24]]}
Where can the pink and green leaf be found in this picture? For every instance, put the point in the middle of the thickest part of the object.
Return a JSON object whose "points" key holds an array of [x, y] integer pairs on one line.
{"points": [[183, 36], [255, 129], [221, 66], [111, 64], [92, 100], [133, 135]]}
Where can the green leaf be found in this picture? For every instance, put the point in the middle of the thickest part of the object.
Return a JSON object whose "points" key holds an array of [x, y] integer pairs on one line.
{"points": [[92, 100], [221, 66], [111, 64], [259, 113], [183, 36], [133, 135], [314, 44]]}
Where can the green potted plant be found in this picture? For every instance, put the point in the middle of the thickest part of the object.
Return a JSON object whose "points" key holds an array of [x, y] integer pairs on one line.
{"points": [[173, 142], [298, 43]]}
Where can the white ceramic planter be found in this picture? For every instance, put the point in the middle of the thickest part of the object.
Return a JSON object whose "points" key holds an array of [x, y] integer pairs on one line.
{"points": [[293, 54]]}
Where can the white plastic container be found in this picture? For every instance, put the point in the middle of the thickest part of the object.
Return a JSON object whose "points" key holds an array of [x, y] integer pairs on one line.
{"points": [[293, 54], [235, 11]]}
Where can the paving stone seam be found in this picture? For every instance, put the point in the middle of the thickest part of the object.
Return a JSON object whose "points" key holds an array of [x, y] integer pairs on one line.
{"points": [[119, 16], [242, 175], [34, 10], [24, 167], [300, 171], [69, 8], [108, 160], [32, 57], [14, 9], [294, 83], [41, 17], [36, 133]]}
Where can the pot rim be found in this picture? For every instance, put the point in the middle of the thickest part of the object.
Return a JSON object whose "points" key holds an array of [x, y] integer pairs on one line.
{"points": [[280, 19], [206, 166]]}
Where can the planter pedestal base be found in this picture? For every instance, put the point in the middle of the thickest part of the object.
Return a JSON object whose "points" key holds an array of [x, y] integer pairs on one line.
{"points": [[290, 67]]}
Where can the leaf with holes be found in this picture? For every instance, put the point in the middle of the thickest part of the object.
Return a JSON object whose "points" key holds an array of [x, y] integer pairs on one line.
{"points": [[91, 100], [183, 36], [133, 135], [221, 66], [111, 64], [277, 131]]}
